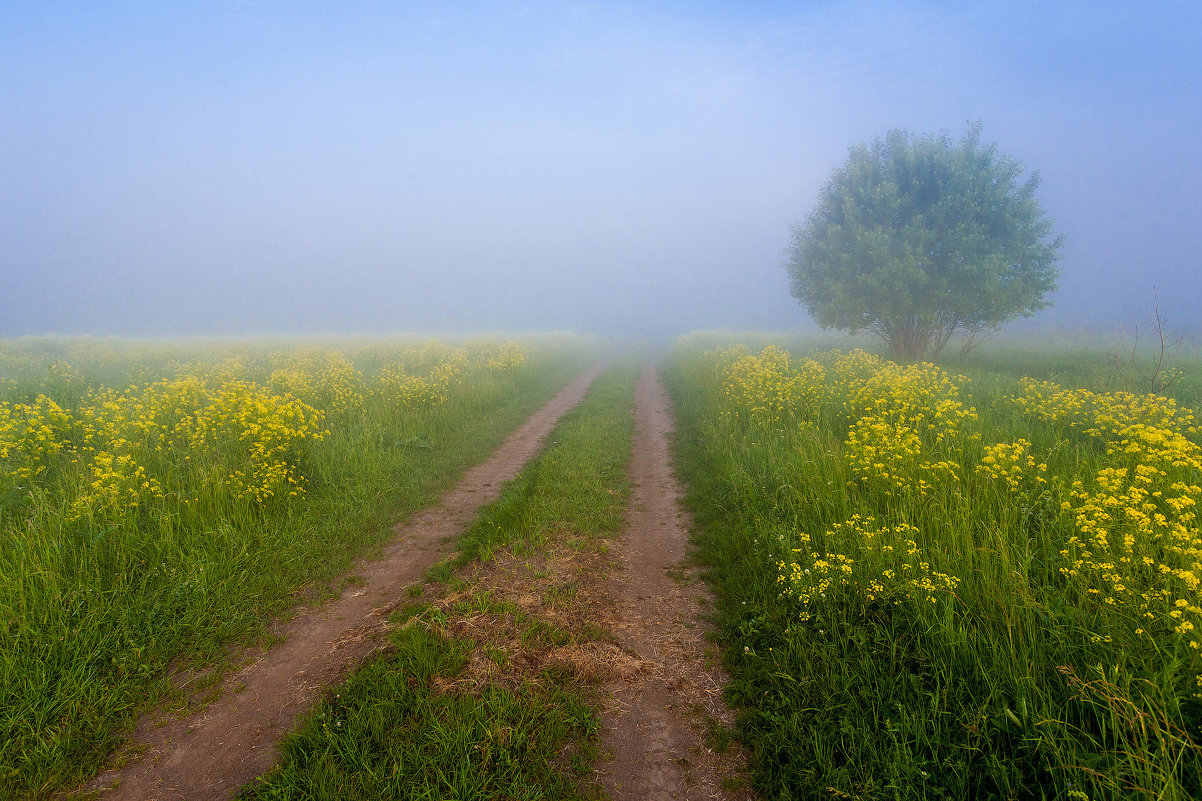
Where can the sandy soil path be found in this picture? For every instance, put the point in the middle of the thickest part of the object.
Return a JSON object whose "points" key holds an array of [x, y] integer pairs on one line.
{"points": [[655, 727], [235, 739]]}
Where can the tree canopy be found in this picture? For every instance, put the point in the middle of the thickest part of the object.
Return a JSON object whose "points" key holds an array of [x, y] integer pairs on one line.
{"points": [[915, 237]]}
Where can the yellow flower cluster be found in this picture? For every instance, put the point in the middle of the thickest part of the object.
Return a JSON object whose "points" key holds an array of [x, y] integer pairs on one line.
{"points": [[1048, 401], [119, 486], [1115, 411], [906, 421], [432, 353], [1100, 413], [879, 563], [761, 388], [262, 433], [237, 434], [147, 418], [923, 395], [63, 374], [1137, 543], [890, 452], [851, 369], [426, 375], [765, 391], [125, 449], [1011, 462], [30, 436], [322, 378], [811, 390], [1136, 546], [234, 423], [215, 373], [506, 356], [420, 392]]}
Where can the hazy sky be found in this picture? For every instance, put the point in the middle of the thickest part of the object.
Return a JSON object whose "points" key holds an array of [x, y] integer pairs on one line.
{"points": [[234, 166]]}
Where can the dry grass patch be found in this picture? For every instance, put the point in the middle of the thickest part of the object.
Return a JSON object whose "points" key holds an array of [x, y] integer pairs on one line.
{"points": [[524, 628]]}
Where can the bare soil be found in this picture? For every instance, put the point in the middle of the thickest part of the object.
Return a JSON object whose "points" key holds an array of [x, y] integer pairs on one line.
{"points": [[561, 585], [655, 729], [209, 754]]}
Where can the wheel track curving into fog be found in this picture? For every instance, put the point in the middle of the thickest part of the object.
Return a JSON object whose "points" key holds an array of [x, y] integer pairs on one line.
{"points": [[655, 728], [209, 755]]}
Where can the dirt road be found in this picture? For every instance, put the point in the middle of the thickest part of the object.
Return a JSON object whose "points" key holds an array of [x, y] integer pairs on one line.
{"points": [[235, 738], [655, 728]]}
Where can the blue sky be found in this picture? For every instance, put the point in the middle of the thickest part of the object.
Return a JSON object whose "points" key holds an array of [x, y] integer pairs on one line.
{"points": [[244, 167]]}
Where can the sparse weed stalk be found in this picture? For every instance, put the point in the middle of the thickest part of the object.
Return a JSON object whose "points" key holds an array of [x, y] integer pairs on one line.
{"points": [[920, 581]]}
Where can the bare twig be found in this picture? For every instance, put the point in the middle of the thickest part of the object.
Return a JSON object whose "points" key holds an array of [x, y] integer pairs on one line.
{"points": [[1159, 373]]}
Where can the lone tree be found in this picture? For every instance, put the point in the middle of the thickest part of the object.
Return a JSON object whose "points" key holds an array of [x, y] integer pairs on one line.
{"points": [[918, 236]]}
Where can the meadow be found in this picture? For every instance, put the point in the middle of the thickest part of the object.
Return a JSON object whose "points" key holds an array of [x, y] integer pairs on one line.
{"points": [[160, 501], [973, 580], [978, 580]]}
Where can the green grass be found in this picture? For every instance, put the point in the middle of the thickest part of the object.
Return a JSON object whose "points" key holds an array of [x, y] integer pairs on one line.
{"points": [[577, 487], [388, 733], [1019, 684], [997, 366], [95, 616], [409, 724]]}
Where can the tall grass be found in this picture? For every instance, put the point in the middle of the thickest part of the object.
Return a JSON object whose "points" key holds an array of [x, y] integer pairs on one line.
{"points": [[942, 588], [146, 526]]}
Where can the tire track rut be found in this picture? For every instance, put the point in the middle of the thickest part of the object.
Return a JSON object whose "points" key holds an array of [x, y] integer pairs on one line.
{"points": [[655, 728]]}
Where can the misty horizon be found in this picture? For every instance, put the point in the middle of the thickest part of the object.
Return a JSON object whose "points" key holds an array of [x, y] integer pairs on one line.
{"points": [[242, 168]]}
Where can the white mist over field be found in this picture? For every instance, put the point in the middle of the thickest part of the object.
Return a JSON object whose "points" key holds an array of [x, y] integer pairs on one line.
{"points": [[241, 167]]}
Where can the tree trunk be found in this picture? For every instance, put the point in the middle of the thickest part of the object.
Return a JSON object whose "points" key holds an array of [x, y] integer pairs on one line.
{"points": [[908, 341]]}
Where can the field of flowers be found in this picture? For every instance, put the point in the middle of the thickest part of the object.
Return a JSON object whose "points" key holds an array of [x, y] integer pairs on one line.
{"points": [[935, 589], [159, 500]]}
